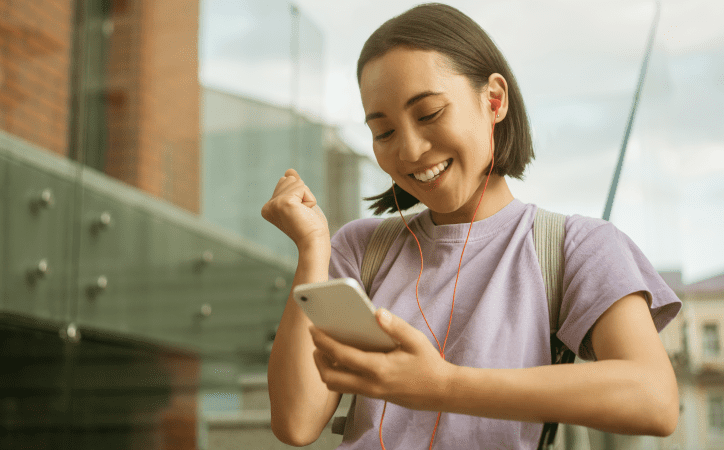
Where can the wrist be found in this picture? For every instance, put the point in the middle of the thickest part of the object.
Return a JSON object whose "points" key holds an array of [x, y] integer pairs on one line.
{"points": [[447, 382], [315, 251], [318, 246]]}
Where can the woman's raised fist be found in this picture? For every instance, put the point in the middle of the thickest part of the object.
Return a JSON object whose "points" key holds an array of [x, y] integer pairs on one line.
{"points": [[294, 210]]}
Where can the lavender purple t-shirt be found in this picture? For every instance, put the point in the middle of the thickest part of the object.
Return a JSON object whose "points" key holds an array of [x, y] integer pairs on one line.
{"points": [[500, 319]]}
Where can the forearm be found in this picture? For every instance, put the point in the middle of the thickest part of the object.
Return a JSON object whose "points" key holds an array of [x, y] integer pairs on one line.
{"points": [[613, 395], [300, 403]]}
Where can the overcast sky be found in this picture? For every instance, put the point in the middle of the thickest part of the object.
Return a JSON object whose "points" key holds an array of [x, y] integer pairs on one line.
{"points": [[577, 64]]}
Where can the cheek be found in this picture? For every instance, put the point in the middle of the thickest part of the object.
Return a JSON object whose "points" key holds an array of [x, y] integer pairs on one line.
{"points": [[384, 161], [476, 143]]}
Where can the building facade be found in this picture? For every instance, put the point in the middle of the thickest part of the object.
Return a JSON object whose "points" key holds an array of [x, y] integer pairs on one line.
{"points": [[110, 83], [699, 364], [125, 317], [249, 144], [693, 341]]}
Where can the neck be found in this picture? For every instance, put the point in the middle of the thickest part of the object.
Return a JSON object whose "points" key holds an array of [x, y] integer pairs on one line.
{"points": [[496, 197]]}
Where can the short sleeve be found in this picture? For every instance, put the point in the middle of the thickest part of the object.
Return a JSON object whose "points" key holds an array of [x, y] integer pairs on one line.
{"points": [[348, 247], [603, 265]]}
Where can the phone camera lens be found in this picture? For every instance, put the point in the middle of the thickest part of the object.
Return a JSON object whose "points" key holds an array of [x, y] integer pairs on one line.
{"points": [[303, 298]]}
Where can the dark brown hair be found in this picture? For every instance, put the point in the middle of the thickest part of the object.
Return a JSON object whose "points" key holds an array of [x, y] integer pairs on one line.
{"points": [[446, 30]]}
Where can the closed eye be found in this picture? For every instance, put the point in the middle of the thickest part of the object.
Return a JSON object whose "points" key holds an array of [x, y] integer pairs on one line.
{"points": [[383, 136], [431, 116]]}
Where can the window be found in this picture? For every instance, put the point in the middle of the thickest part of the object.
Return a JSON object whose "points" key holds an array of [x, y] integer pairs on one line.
{"points": [[685, 338], [716, 413], [711, 339], [89, 127]]}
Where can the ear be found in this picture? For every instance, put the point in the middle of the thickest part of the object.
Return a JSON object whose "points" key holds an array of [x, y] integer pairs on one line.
{"points": [[497, 89]]}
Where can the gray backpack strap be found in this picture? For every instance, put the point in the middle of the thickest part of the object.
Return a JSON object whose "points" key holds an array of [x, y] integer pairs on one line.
{"points": [[340, 422], [377, 248], [548, 234]]}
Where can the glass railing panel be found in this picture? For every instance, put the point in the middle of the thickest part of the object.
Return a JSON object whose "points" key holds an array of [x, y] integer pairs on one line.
{"points": [[37, 206], [127, 394], [35, 389], [4, 169], [110, 267], [247, 147], [38, 253]]}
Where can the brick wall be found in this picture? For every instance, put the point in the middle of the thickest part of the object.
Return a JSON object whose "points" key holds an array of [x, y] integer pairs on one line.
{"points": [[154, 98], [123, 81], [152, 88], [34, 67], [170, 97]]}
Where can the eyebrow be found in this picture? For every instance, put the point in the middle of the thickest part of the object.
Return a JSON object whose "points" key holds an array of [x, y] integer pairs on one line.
{"points": [[410, 102]]}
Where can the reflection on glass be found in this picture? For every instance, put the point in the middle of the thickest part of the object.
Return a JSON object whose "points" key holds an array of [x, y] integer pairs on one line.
{"points": [[261, 63], [245, 48], [711, 339], [115, 85], [94, 393], [34, 74]]}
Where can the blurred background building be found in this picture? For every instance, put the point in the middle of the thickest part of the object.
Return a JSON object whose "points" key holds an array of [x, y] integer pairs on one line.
{"points": [[140, 289]]}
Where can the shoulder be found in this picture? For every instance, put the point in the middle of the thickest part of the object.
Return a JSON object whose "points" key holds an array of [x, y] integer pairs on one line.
{"points": [[351, 240], [578, 228], [602, 266], [588, 234]]}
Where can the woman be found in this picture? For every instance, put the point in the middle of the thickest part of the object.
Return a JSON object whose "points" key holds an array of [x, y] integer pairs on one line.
{"points": [[448, 124]]}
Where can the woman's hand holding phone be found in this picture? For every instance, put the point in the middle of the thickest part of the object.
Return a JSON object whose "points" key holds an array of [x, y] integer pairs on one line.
{"points": [[413, 375], [294, 210], [371, 352]]}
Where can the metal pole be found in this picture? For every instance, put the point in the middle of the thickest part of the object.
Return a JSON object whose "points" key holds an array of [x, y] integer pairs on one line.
{"points": [[642, 76], [608, 439]]}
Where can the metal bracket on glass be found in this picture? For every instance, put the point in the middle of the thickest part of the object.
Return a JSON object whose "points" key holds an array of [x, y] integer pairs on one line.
{"points": [[44, 200], [71, 333], [203, 312], [94, 289], [38, 271], [102, 223], [280, 283], [206, 258], [201, 315]]}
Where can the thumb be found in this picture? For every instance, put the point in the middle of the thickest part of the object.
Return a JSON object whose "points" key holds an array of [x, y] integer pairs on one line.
{"points": [[398, 329], [308, 198]]}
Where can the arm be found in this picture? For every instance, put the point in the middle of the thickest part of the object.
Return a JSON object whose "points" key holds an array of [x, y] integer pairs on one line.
{"points": [[301, 405], [631, 389]]}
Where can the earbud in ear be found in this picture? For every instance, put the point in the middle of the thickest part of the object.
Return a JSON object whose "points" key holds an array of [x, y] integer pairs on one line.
{"points": [[495, 104]]}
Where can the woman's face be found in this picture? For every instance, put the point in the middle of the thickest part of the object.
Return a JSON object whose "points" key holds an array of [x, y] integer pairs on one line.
{"points": [[426, 118]]}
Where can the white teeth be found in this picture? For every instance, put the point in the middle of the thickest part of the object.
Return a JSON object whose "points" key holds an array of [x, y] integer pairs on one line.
{"points": [[432, 172]]}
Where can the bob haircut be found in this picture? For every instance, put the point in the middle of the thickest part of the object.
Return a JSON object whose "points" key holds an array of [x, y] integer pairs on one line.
{"points": [[472, 53]]}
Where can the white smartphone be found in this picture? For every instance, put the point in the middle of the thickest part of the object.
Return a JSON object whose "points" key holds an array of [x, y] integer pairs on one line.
{"points": [[341, 309]]}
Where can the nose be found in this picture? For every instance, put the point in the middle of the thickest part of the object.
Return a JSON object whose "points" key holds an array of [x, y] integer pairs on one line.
{"points": [[413, 145]]}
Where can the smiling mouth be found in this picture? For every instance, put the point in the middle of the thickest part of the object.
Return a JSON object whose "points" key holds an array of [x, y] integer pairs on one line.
{"points": [[432, 173]]}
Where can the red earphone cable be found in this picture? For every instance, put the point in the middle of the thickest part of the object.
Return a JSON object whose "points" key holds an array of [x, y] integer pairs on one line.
{"points": [[442, 349]]}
